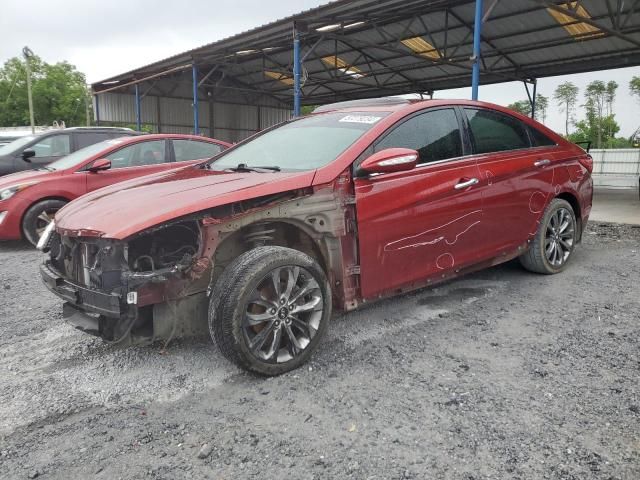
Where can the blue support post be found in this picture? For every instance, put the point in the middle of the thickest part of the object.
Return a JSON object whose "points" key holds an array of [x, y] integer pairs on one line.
{"points": [[97, 109], [138, 112], [196, 119], [477, 50], [297, 67]]}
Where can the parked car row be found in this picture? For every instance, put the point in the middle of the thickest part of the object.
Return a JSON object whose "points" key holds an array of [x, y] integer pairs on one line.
{"points": [[30, 199], [35, 151], [262, 242]]}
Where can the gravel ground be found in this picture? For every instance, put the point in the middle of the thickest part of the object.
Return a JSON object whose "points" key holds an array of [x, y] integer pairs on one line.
{"points": [[502, 374]]}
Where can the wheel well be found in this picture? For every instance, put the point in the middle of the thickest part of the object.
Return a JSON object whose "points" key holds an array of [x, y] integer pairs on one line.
{"points": [[277, 233], [575, 205], [62, 199], [573, 201]]}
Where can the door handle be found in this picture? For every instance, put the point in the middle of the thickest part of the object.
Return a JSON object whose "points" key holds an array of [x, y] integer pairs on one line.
{"points": [[468, 183], [542, 163]]}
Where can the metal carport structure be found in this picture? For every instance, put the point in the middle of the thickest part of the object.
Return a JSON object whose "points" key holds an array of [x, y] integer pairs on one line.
{"points": [[351, 49]]}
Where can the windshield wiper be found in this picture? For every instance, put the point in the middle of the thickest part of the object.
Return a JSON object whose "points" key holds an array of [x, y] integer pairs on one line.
{"points": [[243, 167]]}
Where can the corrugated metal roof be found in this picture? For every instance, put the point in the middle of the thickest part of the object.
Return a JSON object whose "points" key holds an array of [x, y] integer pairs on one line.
{"points": [[522, 39]]}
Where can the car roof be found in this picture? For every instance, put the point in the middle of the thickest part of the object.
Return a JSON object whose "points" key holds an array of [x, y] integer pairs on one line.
{"points": [[395, 104], [165, 136]]}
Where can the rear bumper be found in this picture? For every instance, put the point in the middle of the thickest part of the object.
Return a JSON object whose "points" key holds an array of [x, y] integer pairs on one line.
{"points": [[81, 298]]}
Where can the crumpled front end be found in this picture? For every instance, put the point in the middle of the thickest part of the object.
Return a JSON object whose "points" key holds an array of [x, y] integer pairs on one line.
{"points": [[126, 290]]}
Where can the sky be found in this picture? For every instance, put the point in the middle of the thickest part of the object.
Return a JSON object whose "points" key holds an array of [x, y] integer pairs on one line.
{"points": [[103, 39]]}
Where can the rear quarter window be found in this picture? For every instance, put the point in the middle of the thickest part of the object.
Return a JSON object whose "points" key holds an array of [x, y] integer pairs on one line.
{"points": [[539, 139]]}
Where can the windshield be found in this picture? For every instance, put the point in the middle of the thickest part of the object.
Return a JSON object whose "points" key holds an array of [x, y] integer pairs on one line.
{"points": [[16, 145], [304, 144], [79, 156]]}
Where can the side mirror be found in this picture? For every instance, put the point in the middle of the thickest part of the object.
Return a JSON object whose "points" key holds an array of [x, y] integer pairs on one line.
{"points": [[390, 160], [100, 164], [27, 154]]}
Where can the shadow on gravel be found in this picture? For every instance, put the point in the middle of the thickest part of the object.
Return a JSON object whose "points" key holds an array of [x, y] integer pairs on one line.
{"points": [[15, 246]]}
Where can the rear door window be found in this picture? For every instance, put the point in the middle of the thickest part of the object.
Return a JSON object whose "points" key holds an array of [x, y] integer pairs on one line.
{"points": [[434, 134], [185, 150], [496, 132]]}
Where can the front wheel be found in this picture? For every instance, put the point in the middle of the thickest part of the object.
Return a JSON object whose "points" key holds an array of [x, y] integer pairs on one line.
{"points": [[270, 309], [37, 218], [554, 241]]}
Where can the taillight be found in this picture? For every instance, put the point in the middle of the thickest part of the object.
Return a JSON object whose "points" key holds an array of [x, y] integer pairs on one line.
{"points": [[587, 162]]}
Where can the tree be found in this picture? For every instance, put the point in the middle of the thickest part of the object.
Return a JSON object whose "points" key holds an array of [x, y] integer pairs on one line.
{"points": [[542, 104], [521, 106], [566, 95], [610, 98], [587, 130], [596, 101], [59, 93], [634, 87]]}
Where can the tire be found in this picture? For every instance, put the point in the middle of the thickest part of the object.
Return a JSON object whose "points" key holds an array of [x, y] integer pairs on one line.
{"points": [[245, 315], [554, 242], [37, 218]]}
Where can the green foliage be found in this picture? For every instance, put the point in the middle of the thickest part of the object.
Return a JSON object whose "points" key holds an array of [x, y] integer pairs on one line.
{"points": [[634, 87], [588, 131], [307, 109], [59, 93], [599, 105], [542, 105], [524, 107], [521, 106], [566, 96]]}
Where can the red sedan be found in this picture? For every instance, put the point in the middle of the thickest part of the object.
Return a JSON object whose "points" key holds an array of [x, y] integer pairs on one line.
{"points": [[29, 200], [354, 203]]}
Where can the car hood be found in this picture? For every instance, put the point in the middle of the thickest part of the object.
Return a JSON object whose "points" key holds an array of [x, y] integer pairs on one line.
{"points": [[124, 209], [26, 176]]}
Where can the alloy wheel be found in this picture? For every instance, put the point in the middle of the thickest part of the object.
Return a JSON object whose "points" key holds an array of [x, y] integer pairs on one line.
{"points": [[283, 314], [43, 220], [560, 237]]}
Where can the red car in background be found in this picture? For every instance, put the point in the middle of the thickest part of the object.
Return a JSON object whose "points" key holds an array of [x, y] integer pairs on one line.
{"points": [[29, 200]]}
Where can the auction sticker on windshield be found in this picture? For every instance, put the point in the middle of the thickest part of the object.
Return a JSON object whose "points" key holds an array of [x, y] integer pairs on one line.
{"points": [[360, 119]]}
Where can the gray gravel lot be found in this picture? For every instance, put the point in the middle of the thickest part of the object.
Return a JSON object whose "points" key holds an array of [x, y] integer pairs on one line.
{"points": [[503, 374]]}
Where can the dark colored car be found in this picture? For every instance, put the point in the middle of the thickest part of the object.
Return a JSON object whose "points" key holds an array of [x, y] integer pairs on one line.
{"points": [[30, 199], [36, 151], [326, 212]]}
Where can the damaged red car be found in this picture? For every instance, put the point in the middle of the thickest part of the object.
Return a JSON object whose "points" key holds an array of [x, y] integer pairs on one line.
{"points": [[356, 202]]}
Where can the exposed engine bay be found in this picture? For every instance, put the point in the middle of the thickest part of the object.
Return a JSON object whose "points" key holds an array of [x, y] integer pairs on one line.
{"points": [[156, 284]]}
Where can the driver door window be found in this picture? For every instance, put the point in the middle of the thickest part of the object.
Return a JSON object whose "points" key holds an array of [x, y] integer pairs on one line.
{"points": [[139, 155], [53, 146], [435, 135]]}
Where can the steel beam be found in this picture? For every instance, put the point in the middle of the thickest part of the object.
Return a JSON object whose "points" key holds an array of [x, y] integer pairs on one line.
{"points": [[97, 99], [477, 50], [138, 112], [297, 67], [196, 118]]}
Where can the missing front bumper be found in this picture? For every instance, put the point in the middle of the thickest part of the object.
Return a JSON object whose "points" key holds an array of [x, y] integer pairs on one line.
{"points": [[84, 299]]}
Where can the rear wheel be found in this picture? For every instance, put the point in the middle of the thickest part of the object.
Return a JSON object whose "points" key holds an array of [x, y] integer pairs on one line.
{"points": [[554, 241], [37, 218], [270, 309]]}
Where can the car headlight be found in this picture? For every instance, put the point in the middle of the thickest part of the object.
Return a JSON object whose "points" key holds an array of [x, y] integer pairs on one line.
{"points": [[8, 192]]}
